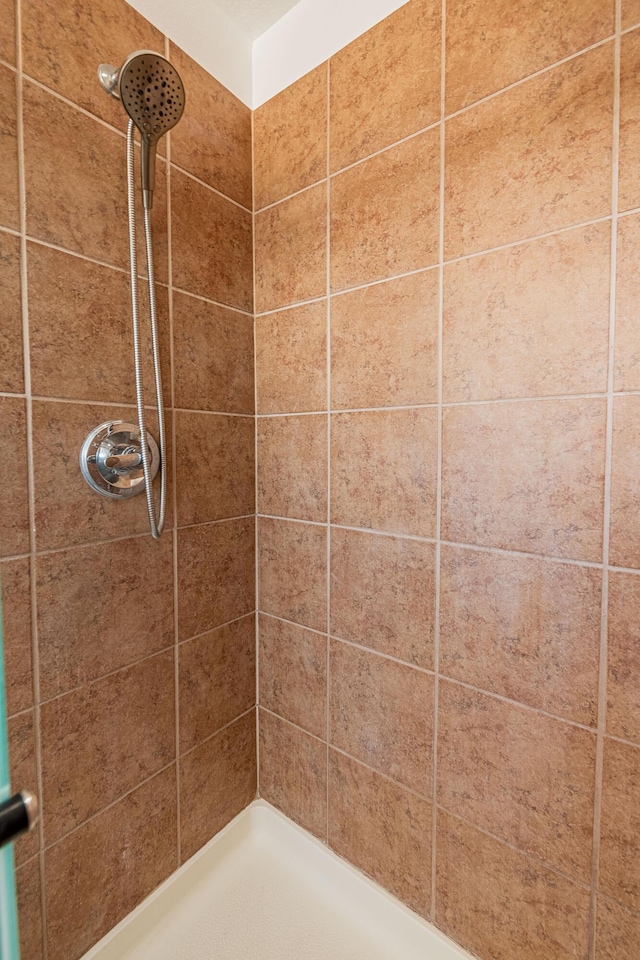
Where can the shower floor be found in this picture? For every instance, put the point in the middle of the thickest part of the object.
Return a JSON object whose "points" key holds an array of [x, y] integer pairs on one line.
{"points": [[263, 889]]}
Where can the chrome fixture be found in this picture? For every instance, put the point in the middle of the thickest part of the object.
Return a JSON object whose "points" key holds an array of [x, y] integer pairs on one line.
{"points": [[19, 814], [120, 459]]}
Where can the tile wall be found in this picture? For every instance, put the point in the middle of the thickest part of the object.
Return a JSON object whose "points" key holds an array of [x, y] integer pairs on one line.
{"points": [[130, 664]]}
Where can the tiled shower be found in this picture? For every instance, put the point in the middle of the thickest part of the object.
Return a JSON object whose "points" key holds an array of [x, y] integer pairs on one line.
{"points": [[438, 234]]}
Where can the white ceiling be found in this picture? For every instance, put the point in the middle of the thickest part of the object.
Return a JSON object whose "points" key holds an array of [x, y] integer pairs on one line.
{"points": [[253, 17]]}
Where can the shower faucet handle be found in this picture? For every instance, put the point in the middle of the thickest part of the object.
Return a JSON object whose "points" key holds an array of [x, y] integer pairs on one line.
{"points": [[124, 461]]}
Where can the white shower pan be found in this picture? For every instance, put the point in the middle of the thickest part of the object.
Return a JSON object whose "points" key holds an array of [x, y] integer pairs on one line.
{"points": [[264, 889]]}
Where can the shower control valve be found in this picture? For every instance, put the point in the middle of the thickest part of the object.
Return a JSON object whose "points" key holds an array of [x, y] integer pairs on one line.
{"points": [[111, 459]]}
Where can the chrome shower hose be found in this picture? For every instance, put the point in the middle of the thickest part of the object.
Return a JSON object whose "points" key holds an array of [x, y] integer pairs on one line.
{"points": [[157, 526]]}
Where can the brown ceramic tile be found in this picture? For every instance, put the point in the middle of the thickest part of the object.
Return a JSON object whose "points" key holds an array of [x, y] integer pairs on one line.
{"points": [[623, 681], [618, 932], [74, 301], [383, 593], [217, 781], [215, 467], [99, 873], [290, 139], [30, 910], [523, 628], [11, 357], [59, 430], [624, 547], [8, 38], [216, 577], [382, 829], [292, 467], [293, 571], [627, 339], [76, 591], [383, 470], [526, 476], [532, 160], [519, 775], [503, 336], [293, 773], [293, 674], [384, 344], [500, 904], [213, 138], [620, 827], [384, 214], [14, 517], [217, 675], [630, 13], [386, 84], [9, 198], [211, 244], [63, 43], [16, 637], [100, 741], [492, 45], [629, 169], [291, 250], [382, 714], [213, 357], [291, 360], [22, 756]]}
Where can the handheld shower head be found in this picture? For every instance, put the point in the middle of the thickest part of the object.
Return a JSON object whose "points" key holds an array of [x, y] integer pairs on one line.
{"points": [[152, 93]]}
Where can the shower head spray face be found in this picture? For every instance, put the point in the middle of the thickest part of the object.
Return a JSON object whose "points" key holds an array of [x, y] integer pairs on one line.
{"points": [[152, 93]]}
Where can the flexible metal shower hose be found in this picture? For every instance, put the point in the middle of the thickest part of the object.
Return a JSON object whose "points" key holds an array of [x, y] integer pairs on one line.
{"points": [[156, 526]]}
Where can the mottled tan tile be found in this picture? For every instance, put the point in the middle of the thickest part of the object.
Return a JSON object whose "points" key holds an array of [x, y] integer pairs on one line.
{"points": [[630, 13], [8, 38], [381, 712], [290, 139], [384, 344], [629, 168], [101, 740], [293, 674], [293, 773], [383, 470], [532, 160], [382, 829], [99, 873], [293, 571], [627, 338], [217, 676], [624, 545], [16, 634], [21, 732], [215, 467], [213, 138], [523, 628], [213, 357], [529, 321], [526, 476], [216, 575], [76, 592], [291, 250], [618, 932], [211, 244], [518, 774], [30, 910], [383, 593], [9, 198], [623, 679], [63, 43], [384, 214], [500, 904], [620, 825], [292, 467], [291, 360], [385, 85], [11, 355], [14, 517], [492, 45], [217, 781]]}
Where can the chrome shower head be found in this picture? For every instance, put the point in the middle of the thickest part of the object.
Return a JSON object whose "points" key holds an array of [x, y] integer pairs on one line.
{"points": [[152, 93]]}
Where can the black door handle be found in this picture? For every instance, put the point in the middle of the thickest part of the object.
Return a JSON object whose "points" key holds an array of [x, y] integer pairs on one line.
{"points": [[18, 815]]}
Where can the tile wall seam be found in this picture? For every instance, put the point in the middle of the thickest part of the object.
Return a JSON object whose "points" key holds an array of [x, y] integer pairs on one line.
{"points": [[635, 744], [602, 680], [328, 416], [445, 404], [255, 446], [220, 730], [632, 910], [208, 186], [35, 662], [629, 29]]}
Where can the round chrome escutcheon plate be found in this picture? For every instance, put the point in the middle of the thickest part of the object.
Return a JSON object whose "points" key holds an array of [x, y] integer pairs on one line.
{"points": [[111, 460]]}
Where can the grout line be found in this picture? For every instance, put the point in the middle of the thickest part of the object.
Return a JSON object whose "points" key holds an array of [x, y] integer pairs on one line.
{"points": [[493, 401], [208, 186], [256, 560], [214, 303], [217, 732], [328, 416], [602, 684], [627, 743]]}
